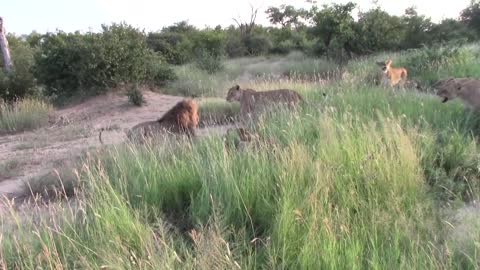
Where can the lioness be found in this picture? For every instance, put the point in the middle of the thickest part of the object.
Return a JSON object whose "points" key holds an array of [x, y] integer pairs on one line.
{"points": [[467, 89], [393, 76], [251, 100]]}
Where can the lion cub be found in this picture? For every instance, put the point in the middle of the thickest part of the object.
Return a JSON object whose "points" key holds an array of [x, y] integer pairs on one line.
{"points": [[251, 100], [467, 89], [393, 76]]}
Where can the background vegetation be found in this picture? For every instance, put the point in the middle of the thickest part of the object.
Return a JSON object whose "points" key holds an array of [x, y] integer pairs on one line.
{"points": [[359, 178], [61, 65]]}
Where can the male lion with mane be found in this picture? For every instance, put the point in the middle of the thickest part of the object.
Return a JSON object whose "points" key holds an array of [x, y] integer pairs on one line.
{"points": [[466, 89], [251, 100], [181, 119]]}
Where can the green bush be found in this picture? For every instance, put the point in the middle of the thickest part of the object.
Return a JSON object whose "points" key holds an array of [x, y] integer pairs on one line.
{"points": [[210, 41], [432, 63], [257, 44], [177, 48], [428, 57], [209, 62], [175, 43], [235, 47], [76, 63], [159, 73]]}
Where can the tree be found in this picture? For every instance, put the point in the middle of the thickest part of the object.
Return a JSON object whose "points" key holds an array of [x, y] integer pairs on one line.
{"points": [[377, 30], [334, 23], [19, 81], [416, 28], [7, 62], [287, 16], [471, 16], [175, 42], [34, 39], [450, 29], [246, 28]]}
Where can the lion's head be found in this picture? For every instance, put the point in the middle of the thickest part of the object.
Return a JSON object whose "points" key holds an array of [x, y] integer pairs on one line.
{"points": [[234, 93], [447, 89]]}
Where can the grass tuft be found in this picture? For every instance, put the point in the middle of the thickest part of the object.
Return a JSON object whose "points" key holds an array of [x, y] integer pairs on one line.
{"points": [[26, 114]]}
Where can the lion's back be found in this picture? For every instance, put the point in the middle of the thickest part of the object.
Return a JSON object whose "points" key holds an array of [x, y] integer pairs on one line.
{"points": [[280, 95]]}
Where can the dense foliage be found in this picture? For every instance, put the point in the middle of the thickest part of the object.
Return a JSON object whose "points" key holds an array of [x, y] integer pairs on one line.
{"points": [[91, 62], [67, 64]]}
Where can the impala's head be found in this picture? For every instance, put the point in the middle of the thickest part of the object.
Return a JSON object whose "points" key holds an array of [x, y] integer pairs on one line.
{"points": [[385, 65], [234, 93], [447, 89]]}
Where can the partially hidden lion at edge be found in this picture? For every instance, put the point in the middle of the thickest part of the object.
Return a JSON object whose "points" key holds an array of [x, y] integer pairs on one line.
{"points": [[252, 101], [466, 89]]}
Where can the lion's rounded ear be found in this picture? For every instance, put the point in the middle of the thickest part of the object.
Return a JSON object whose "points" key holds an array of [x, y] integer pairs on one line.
{"points": [[237, 87]]}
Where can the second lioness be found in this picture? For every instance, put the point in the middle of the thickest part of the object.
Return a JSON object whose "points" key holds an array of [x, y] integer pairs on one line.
{"points": [[253, 101]]}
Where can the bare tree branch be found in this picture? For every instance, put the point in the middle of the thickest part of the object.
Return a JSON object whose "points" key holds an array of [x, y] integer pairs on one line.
{"points": [[7, 63]]}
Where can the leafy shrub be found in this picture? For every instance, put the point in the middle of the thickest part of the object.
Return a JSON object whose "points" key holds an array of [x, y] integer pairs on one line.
{"points": [[175, 42], [209, 62], [422, 59], [158, 71], [135, 96], [257, 44], [90, 63], [235, 47], [430, 63], [283, 47], [211, 41], [177, 48]]}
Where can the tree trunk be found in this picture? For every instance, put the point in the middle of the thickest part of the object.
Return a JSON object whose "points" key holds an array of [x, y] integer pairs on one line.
{"points": [[7, 63]]}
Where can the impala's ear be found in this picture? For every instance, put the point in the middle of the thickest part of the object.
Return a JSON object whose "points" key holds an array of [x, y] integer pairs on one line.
{"points": [[389, 62]]}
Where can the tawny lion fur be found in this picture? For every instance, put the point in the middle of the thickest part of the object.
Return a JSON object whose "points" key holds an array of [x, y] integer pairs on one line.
{"points": [[252, 101], [466, 89], [181, 119], [394, 76], [248, 138]]}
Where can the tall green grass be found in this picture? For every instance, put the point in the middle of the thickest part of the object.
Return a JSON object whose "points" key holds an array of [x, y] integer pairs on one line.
{"points": [[424, 65], [214, 111], [351, 184], [23, 115], [362, 178]]}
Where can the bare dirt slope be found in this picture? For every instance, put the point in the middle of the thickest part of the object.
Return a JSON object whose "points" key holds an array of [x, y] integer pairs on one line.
{"points": [[73, 130]]}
